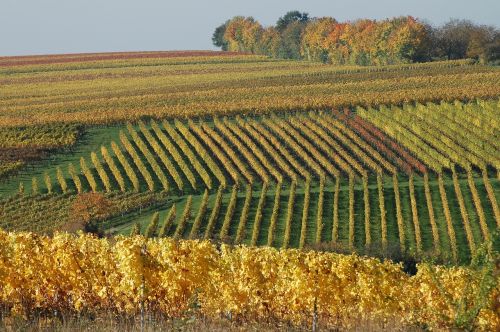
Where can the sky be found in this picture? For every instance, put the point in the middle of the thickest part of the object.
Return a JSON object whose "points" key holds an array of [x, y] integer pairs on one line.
{"points": [[76, 26]]}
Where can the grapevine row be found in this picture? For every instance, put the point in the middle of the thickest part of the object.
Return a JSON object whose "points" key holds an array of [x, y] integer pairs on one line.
{"points": [[228, 164], [289, 215], [152, 161], [161, 154]]}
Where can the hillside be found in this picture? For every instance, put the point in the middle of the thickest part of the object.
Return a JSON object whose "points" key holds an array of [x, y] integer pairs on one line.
{"points": [[398, 161]]}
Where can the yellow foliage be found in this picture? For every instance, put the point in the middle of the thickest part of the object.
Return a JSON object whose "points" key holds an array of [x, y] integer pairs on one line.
{"points": [[76, 273]]}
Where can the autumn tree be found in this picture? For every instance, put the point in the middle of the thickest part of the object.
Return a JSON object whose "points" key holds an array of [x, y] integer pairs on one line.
{"points": [[337, 44], [396, 40], [243, 34], [365, 42], [316, 41], [86, 211], [409, 41], [270, 42], [360, 38]]}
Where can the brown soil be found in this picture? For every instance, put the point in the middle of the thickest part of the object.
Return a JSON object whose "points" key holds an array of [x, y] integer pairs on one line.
{"points": [[67, 58]]}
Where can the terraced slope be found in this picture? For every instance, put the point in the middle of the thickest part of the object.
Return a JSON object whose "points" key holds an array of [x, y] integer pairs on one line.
{"points": [[106, 88], [421, 179]]}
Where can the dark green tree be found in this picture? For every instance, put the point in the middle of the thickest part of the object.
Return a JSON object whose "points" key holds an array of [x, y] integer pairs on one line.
{"points": [[290, 41], [290, 28], [218, 36], [290, 17]]}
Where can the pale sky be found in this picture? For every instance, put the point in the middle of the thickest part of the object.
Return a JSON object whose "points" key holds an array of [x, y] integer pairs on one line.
{"points": [[73, 26]]}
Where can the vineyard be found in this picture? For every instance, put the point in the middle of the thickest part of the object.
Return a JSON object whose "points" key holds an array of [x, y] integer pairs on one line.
{"points": [[113, 90], [397, 161], [167, 276], [372, 179], [21, 145]]}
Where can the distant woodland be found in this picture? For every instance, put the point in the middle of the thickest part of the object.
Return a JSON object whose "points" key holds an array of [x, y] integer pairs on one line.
{"points": [[362, 42]]}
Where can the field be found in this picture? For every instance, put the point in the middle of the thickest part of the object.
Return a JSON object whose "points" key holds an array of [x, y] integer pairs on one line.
{"points": [[113, 90], [394, 161]]}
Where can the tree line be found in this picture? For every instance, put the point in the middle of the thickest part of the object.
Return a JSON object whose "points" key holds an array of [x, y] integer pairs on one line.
{"points": [[362, 42]]}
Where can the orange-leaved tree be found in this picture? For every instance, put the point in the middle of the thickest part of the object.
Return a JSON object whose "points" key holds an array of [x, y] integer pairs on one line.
{"points": [[85, 212]]}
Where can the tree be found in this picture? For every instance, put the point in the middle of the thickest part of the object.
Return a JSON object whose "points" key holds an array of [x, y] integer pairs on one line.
{"points": [[290, 28], [243, 34], [338, 45], [452, 39], [290, 41], [86, 211], [290, 17], [362, 42], [218, 36], [493, 49], [481, 43], [459, 39], [409, 42], [269, 42], [315, 39]]}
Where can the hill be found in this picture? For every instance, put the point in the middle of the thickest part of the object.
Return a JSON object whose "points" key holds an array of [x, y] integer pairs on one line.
{"points": [[150, 150], [291, 154]]}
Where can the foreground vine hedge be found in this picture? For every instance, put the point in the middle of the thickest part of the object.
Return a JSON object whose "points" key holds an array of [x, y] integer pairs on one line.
{"points": [[83, 274]]}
